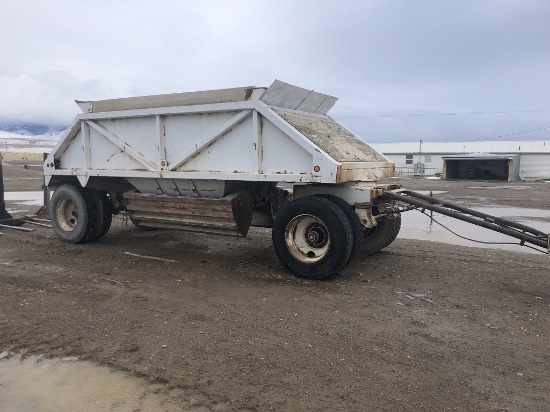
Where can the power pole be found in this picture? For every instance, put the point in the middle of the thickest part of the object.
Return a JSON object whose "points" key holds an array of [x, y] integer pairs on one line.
{"points": [[4, 215]]}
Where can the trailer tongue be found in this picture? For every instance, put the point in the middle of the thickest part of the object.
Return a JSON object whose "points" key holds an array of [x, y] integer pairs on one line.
{"points": [[221, 161], [519, 231]]}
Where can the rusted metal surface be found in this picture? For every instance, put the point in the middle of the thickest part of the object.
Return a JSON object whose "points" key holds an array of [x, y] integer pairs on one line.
{"points": [[364, 171], [230, 215]]}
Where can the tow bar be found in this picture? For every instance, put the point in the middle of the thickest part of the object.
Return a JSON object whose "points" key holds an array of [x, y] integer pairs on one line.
{"points": [[524, 233]]}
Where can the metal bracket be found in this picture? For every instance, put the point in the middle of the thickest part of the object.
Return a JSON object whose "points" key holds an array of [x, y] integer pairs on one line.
{"points": [[366, 217]]}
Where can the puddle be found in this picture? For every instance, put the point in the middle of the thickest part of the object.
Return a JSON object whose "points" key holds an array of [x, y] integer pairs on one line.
{"points": [[69, 385], [25, 198], [427, 192], [22, 178], [501, 187], [26, 201], [416, 225]]}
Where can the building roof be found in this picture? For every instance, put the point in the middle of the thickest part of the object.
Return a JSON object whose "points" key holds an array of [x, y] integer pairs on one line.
{"points": [[480, 156], [528, 146]]}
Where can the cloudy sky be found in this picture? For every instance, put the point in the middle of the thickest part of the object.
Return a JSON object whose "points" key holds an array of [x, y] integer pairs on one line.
{"points": [[404, 70]]}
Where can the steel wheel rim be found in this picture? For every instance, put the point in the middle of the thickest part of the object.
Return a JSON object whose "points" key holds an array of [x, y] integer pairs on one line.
{"points": [[307, 238], [67, 214]]}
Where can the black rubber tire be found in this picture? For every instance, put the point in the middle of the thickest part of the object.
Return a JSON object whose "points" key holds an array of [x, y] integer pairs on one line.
{"points": [[356, 226], [104, 215], [326, 216], [72, 213], [381, 236]]}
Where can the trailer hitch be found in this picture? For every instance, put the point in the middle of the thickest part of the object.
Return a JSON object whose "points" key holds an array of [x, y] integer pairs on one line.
{"points": [[519, 231]]}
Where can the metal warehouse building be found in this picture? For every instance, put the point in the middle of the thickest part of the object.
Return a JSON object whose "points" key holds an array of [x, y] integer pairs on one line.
{"points": [[512, 160]]}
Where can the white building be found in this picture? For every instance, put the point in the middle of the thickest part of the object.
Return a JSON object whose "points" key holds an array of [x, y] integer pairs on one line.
{"points": [[510, 160]]}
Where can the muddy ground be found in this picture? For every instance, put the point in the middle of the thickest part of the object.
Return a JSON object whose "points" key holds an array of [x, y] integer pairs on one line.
{"points": [[420, 326]]}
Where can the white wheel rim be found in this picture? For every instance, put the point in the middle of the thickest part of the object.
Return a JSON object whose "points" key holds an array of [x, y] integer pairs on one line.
{"points": [[67, 214], [307, 238]]}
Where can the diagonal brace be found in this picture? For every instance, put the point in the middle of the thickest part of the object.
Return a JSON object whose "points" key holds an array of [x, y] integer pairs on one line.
{"points": [[125, 147], [198, 147]]}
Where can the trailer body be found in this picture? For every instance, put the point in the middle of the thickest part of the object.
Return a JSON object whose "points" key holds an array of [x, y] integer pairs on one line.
{"points": [[213, 161], [164, 144], [221, 161]]}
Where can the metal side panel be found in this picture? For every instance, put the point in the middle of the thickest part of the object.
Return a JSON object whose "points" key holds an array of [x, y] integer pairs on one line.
{"points": [[229, 215], [182, 187], [237, 94], [287, 96]]}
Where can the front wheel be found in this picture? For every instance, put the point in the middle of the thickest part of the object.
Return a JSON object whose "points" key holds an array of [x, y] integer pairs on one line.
{"points": [[312, 237]]}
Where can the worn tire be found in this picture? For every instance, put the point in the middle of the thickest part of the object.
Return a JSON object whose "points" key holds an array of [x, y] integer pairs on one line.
{"points": [[72, 213], [356, 226], [381, 236], [312, 237], [104, 215]]}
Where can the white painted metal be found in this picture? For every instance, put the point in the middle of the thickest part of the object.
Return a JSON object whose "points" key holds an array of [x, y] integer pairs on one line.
{"points": [[279, 134]]}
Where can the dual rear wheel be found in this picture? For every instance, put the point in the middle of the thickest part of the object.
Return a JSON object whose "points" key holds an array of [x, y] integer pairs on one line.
{"points": [[317, 236], [80, 215]]}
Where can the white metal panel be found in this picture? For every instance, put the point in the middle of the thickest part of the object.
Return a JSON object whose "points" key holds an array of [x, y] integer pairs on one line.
{"points": [[209, 139], [288, 96], [184, 133], [233, 152], [73, 158], [534, 166], [106, 156], [282, 155], [139, 134]]}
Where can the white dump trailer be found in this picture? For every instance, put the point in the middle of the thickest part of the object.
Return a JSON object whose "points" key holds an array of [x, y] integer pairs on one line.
{"points": [[219, 162]]}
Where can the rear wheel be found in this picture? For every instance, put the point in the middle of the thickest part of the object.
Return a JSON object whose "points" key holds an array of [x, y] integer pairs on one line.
{"points": [[104, 215], [356, 226], [380, 236], [312, 237], [72, 213]]}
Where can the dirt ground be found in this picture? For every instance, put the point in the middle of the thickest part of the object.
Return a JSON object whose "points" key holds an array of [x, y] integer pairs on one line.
{"points": [[420, 326]]}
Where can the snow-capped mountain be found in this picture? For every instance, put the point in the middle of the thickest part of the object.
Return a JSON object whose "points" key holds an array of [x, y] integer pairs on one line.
{"points": [[41, 131]]}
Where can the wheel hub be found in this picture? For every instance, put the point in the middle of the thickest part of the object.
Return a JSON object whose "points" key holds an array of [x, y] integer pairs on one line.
{"points": [[307, 238], [316, 235], [67, 214]]}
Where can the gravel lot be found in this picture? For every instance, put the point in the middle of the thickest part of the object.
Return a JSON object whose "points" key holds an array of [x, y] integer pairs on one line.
{"points": [[221, 325]]}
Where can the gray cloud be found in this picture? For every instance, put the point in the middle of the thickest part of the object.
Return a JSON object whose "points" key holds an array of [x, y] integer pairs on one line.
{"points": [[379, 57]]}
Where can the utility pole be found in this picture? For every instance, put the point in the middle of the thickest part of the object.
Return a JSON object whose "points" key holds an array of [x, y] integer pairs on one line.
{"points": [[4, 215]]}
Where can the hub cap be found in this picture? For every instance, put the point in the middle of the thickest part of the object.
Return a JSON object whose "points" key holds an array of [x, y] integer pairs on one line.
{"points": [[307, 238]]}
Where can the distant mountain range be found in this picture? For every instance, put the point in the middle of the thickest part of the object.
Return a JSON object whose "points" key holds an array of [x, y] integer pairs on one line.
{"points": [[32, 129]]}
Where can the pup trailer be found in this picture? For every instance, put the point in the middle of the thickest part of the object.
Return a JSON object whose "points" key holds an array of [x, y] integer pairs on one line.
{"points": [[222, 161]]}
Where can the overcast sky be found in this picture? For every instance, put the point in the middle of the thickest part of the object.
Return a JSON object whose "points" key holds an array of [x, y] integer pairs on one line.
{"points": [[399, 67]]}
